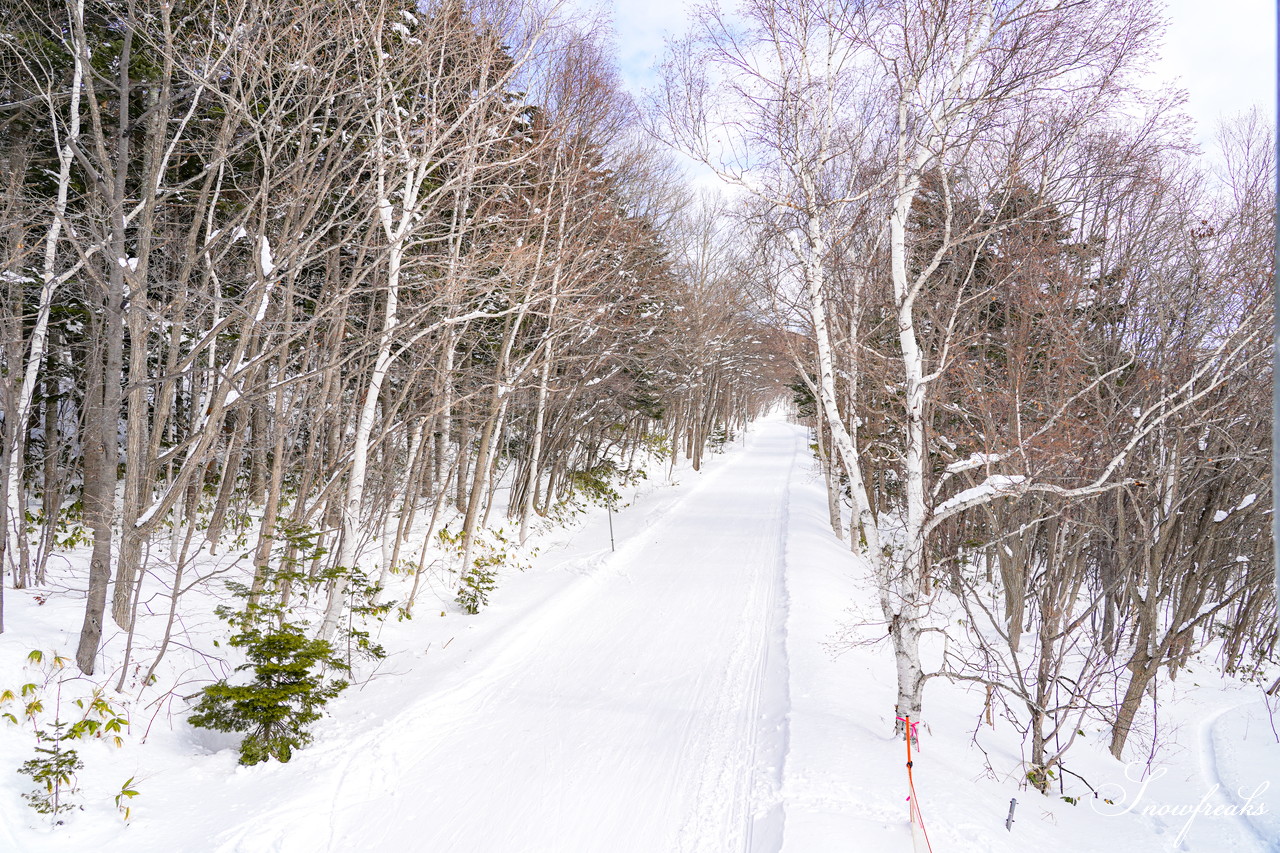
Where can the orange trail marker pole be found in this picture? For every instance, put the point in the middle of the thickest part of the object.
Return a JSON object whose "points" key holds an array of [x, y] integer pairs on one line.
{"points": [[919, 835]]}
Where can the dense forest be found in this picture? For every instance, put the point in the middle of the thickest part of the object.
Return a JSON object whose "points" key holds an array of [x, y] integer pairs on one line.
{"points": [[294, 274], [302, 282]]}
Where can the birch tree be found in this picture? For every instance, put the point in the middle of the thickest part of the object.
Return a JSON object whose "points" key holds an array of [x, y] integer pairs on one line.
{"points": [[467, 75], [962, 98]]}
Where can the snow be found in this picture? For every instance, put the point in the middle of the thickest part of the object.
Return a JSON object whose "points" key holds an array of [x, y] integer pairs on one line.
{"points": [[993, 485], [264, 256], [679, 694], [976, 460], [147, 515]]}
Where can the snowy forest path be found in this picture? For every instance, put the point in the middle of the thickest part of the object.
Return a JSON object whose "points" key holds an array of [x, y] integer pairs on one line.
{"points": [[646, 712], [1224, 748]]}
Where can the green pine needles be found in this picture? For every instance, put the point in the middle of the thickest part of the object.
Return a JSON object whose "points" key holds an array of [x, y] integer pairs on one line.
{"points": [[475, 585], [284, 698], [53, 771], [293, 673]]}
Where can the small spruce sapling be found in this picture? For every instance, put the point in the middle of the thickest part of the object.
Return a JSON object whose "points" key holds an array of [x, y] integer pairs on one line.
{"points": [[478, 579], [362, 605], [291, 680], [54, 772], [288, 689]]}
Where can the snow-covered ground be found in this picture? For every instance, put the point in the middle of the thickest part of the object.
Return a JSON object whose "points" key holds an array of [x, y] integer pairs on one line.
{"points": [[677, 695]]}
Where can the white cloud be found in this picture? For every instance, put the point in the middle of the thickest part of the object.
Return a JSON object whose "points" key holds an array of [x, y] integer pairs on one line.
{"points": [[642, 28], [1223, 54]]}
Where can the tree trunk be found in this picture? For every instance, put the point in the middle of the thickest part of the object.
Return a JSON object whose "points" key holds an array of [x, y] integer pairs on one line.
{"points": [[1141, 671], [99, 497]]}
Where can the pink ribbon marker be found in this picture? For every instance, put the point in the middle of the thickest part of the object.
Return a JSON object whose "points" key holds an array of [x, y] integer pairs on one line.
{"points": [[915, 735]]}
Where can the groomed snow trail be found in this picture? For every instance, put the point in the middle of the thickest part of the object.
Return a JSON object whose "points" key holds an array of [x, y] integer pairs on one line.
{"points": [[646, 712]]}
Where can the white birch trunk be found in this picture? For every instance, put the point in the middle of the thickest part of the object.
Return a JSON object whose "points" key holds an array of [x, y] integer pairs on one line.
{"points": [[907, 581], [353, 500], [904, 585], [864, 524], [15, 529]]}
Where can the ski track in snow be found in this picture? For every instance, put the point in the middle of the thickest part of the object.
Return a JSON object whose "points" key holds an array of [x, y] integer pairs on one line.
{"points": [[643, 709], [1228, 789], [680, 696]]}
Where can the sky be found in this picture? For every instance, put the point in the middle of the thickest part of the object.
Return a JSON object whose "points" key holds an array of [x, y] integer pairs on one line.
{"points": [[1224, 54], [1221, 51]]}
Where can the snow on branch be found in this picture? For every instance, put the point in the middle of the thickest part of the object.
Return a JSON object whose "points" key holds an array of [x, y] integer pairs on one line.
{"points": [[976, 460], [995, 486]]}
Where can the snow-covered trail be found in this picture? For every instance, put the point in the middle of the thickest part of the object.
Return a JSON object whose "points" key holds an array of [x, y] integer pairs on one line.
{"points": [[683, 694], [645, 713]]}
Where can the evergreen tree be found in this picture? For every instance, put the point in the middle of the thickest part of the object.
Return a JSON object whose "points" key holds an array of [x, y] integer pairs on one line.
{"points": [[288, 689]]}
